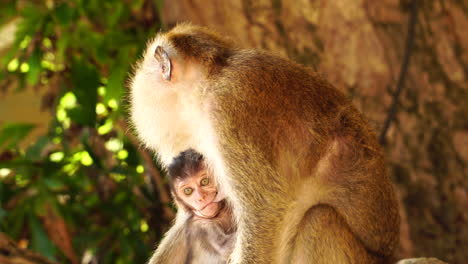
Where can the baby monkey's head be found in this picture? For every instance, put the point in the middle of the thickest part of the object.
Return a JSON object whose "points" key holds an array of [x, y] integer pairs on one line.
{"points": [[193, 185]]}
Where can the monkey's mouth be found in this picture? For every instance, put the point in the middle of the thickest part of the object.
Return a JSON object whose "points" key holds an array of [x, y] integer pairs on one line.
{"points": [[210, 212], [208, 204]]}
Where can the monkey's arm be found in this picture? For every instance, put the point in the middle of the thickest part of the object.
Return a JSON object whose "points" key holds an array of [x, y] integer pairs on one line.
{"points": [[173, 249]]}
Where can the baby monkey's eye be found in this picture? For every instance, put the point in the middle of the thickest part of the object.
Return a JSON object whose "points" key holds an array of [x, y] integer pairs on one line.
{"points": [[205, 181], [188, 191]]}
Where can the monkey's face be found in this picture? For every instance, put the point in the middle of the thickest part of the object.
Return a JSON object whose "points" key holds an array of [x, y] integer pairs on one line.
{"points": [[199, 193]]}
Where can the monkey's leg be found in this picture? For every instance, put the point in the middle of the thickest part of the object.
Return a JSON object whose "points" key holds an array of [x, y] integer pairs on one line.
{"points": [[323, 237]]}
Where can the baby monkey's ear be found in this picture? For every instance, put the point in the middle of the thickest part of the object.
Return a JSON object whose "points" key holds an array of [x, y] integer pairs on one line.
{"points": [[164, 62]]}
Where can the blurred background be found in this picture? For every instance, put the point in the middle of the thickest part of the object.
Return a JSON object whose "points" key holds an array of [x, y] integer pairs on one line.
{"points": [[77, 187]]}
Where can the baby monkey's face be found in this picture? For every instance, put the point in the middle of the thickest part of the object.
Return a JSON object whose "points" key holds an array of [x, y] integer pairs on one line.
{"points": [[199, 191]]}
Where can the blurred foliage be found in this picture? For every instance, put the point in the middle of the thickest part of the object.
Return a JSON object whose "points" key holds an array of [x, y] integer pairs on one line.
{"points": [[81, 193]]}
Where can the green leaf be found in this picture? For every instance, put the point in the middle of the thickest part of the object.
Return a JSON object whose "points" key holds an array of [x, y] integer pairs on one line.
{"points": [[117, 77], [113, 18], [85, 80], [31, 22], [34, 67], [64, 14], [8, 57], [62, 45], [54, 184], [40, 241], [14, 133], [33, 153], [3, 213], [79, 116], [7, 10]]}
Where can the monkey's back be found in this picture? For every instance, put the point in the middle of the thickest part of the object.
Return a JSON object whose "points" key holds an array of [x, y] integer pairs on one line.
{"points": [[289, 118], [281, 94]]}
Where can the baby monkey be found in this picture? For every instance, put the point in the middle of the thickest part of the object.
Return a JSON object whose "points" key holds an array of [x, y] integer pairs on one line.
{"points": [[209, 229]]}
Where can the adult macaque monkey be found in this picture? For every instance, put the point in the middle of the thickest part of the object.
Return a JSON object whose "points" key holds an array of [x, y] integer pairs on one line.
{"points": [[300, 166], [210, 229]]}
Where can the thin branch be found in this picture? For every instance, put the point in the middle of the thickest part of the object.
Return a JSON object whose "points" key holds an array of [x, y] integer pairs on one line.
{"points": [[403, 70]]}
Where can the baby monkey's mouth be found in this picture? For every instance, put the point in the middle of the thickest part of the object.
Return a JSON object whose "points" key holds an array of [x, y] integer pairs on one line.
{"points": [[206, 205], [213, 201], [221, 206]]}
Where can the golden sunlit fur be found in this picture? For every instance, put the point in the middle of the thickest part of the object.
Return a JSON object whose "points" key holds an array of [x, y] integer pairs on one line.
{"points": [[300, 166]]}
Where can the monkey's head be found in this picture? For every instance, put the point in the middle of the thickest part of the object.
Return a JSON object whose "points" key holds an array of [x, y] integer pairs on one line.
{"points": [[168, 84], [193, 186], [170, 54]]}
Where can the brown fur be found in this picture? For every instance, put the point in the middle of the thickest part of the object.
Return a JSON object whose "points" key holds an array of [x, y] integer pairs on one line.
{"points": [[298, 162]]}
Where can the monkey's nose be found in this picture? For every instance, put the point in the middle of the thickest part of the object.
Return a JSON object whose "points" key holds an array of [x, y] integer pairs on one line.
{"points": [[201, 197]]}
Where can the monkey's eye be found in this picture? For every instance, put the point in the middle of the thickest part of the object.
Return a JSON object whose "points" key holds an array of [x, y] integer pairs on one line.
{"points": [[188, 191], [205, 181]]}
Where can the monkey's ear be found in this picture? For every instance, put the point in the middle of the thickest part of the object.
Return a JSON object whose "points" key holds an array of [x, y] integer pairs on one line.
{"points": [[165, 63]]}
